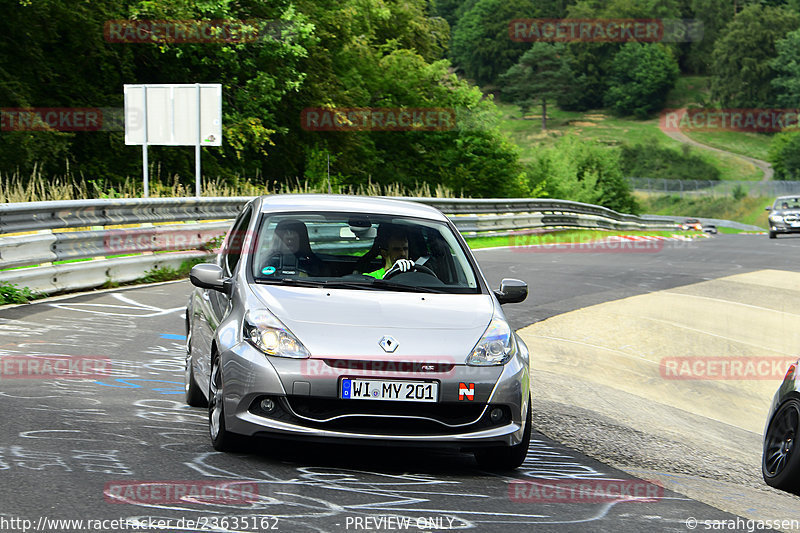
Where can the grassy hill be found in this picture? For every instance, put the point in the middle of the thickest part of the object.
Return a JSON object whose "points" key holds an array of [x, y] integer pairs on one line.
{"points": [[605, 128]]}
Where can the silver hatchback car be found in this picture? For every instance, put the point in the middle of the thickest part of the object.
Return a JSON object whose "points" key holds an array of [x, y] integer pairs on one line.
{"points": [[361, 319]]}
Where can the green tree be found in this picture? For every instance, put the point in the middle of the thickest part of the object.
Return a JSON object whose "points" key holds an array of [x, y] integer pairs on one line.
{"points": [[715, 15], [786, 83], [641, 75], [741, 72], [481, 43], [582, 171], [542, 73], [591, 61], [784, 154]]}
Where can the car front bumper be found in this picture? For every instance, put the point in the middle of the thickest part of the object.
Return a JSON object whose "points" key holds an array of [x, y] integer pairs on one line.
{"points": [[305, 393]]}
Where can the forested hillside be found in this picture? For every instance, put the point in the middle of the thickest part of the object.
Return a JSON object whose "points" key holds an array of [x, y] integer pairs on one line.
{"points": [[453, 54]]}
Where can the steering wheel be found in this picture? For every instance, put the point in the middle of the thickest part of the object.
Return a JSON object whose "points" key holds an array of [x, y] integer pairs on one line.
{"points": [[419, 268]]}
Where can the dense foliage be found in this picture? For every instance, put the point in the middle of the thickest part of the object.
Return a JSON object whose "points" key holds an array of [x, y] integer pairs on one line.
{"points": [[392, 54], [784, 154], [741, 72], [542, 74], [582, 171], [328, 53], [651, 160], [641, 75]]}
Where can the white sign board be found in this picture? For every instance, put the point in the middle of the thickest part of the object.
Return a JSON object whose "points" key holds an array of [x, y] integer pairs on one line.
{"points": [[168, 115]]}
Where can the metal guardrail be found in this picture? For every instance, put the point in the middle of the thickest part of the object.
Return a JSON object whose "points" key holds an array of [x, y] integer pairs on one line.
{"points": [[32, 255], [770, 188]]}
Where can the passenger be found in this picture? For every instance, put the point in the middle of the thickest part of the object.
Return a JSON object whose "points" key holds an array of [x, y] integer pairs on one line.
{"points": [[291, 252]]}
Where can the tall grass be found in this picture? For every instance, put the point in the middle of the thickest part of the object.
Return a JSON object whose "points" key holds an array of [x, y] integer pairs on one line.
{"points": [[36, 187]]}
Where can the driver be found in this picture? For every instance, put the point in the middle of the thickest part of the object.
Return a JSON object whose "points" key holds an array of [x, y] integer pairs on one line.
{"points": [[394, 251]]}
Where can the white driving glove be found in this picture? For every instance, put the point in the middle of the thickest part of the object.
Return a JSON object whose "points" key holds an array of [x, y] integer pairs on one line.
{"points": [[403, 265]]}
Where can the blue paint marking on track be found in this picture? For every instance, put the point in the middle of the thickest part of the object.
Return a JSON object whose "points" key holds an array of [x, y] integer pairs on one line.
{"points": [[173, 337], [128, 383]]}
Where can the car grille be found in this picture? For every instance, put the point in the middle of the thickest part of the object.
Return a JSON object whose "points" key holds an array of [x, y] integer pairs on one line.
{"points": [[384, 418]]}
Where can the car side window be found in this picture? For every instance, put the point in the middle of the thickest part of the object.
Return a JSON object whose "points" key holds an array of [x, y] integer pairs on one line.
{"points": [[235, 241]]}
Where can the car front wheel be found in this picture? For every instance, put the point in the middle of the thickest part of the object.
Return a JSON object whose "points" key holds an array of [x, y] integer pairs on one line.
{"points": [[780, 463], [193, 394], [507, 457], [222, 439]]}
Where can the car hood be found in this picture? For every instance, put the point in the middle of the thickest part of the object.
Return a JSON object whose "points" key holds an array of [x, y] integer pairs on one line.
{"points": [[784, 212], [349, 324]]}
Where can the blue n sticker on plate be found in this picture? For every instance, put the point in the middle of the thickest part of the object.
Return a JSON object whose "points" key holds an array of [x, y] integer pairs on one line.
{"points": [[268, 270], [345, 388]]}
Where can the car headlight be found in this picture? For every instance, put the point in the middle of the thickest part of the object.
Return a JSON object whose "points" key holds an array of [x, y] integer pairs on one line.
{"points": [[495, 347], [264, 331], [776, 218]]}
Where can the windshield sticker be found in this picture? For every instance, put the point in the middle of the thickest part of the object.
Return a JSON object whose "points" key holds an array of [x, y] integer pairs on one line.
{"points": [[268, 270]]}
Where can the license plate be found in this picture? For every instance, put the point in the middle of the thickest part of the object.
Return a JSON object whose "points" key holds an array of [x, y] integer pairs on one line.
{"points": [[387, 390]]}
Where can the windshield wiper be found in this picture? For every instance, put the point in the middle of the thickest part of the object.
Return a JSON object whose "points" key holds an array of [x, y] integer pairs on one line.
{"points": [[405, 288], [373, 285], [291, 281]]}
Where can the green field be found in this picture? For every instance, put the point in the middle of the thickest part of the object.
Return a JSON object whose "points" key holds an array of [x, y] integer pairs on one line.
{"points": [[748, 210], [612, 131], [562, 236], [750, 144], [601, 126]]}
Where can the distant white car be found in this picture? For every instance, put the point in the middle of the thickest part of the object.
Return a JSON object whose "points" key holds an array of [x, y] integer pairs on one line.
{"points": [[784, 216], [303, 329]]}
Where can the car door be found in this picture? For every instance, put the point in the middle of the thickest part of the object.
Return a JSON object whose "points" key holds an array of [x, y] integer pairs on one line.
{"points": [[213, 304]]}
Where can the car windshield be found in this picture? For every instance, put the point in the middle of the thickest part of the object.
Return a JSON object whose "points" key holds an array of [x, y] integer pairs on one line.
{"points": [[359, 251], [787, 203]]}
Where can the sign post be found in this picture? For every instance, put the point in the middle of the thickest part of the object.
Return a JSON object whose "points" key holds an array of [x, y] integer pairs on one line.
{"points": [[173, 115]]}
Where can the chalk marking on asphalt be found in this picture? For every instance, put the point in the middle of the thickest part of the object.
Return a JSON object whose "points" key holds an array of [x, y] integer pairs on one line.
{"points": [[134, 305]]}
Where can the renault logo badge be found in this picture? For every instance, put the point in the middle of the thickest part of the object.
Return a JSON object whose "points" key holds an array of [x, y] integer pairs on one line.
{"points": [[388, 344]]}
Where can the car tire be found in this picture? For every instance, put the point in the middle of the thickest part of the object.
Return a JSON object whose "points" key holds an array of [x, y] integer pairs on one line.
{"points": [[221, 439], [772, 235], [507, 457], [780, 463], [194, 396]]}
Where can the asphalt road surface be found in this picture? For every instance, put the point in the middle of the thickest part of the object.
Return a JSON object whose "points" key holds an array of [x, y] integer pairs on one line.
{"points": [[124, 448]]}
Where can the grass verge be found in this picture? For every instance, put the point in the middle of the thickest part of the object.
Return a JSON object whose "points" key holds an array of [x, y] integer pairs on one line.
{"points": [[747, 210], [563, 236]]}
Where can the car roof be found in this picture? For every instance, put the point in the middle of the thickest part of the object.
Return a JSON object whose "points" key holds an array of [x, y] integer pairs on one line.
{"points": [[346, 204], [794, 197]]}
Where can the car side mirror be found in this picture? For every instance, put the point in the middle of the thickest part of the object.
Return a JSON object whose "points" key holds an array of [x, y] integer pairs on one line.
{"points": [[768, 208], [209, 276], [512, 291]]}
